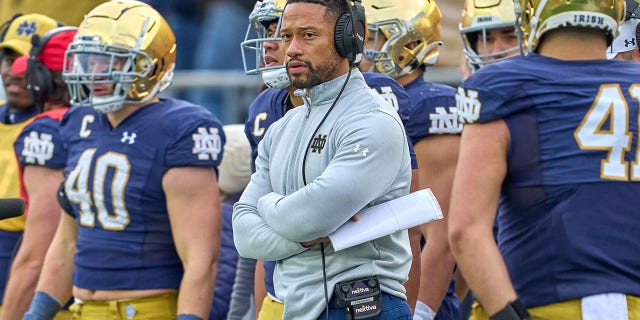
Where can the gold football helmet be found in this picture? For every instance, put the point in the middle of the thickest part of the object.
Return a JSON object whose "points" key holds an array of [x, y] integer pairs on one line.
{"points": [[480, 16], [403, 22], [535, 17], [124, 44]]}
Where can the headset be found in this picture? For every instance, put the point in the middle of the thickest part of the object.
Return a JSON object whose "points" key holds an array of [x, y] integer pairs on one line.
{"points": [[39, 78], [637, 35], [632, 10], [349, 33]]}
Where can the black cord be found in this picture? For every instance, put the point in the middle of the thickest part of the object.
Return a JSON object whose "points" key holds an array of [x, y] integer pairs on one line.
{"points": [[324, 277], [306, 151], [304, 179]]}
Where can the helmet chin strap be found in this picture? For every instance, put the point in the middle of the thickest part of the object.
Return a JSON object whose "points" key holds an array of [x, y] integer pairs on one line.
{"points": [[107, 104], [165, 82], [276, 78], [430, 61]]}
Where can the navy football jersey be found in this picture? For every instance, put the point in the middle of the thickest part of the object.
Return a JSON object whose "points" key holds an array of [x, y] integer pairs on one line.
{"points": [[40, 143], [268, 107], [114, 183], [568, 214], [396, 95], [433, 110]]}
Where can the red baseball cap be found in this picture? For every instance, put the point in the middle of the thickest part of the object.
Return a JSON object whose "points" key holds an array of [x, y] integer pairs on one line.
{"points": [[51, 55]]}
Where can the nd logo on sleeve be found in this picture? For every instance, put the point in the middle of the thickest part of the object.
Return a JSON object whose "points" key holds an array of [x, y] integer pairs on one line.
{"points": [[38, 148], [468, 105], [445, 122], [207, 143]]}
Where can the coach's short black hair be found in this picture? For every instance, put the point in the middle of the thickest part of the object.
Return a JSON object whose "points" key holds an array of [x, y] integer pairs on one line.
{"points": [[335, 8]]}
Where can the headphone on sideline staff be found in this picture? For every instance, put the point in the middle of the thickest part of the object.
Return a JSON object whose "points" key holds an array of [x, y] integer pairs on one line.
{"points": [[39, 77], [350, 44]]}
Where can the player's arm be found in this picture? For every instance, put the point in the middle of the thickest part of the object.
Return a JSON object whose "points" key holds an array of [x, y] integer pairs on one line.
{"points": [[41, 184], [437, 158], [481, 170], [55, 285], [193, 202]]}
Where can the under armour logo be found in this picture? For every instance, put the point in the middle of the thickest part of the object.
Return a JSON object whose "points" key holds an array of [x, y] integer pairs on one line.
{"points": [[207, 144], [38, 148], [27, 28], [360, 149], [445, 122], [630, 42], [468, 105], [128, 138], [318, 143]]}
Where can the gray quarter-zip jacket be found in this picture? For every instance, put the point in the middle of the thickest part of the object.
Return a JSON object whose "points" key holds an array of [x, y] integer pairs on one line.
{"points": [[358, 158]]}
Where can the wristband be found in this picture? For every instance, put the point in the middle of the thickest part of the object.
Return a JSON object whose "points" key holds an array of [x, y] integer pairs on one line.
{"points": [[513, 311], [43, 307], [423, 312], [188, 317]]}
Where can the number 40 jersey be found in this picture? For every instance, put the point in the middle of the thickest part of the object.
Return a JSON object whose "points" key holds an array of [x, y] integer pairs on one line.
{"points": [[113, 179], [569, 211]]}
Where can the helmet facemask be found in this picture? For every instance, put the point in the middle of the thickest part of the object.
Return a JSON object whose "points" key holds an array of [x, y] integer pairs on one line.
{"points": [[483, 19], [121, 67], [470, 46], [263, 15]]}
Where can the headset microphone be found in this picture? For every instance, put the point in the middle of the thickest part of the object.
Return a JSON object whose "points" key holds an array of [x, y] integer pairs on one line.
{"points": [[11, 208]]}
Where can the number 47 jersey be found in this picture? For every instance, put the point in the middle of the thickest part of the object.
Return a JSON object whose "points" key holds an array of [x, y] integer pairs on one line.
{"points": [[113, 179], [570, 206]]}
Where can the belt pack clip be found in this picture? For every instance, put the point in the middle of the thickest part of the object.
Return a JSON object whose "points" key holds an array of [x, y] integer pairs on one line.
{"points": [[361, 297]]}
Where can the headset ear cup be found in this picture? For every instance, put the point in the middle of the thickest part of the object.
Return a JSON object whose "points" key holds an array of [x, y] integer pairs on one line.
{"points": [[39, 81], [349, 43], [341, 38], [39, 77], [360, 24], [637, 35], [32, 83]]}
